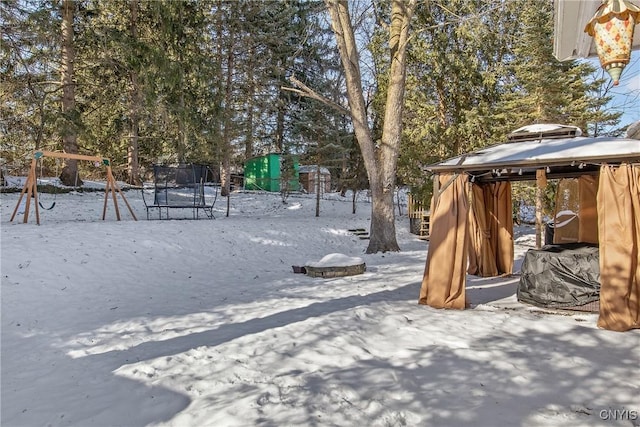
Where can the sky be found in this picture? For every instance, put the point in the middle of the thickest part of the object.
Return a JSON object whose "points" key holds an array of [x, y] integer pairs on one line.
{"points": [[570, 18], [204, 323], [626, 96]]}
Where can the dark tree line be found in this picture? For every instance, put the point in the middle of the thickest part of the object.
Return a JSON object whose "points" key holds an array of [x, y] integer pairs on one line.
{"points": [[145, 81], [220, 81]]}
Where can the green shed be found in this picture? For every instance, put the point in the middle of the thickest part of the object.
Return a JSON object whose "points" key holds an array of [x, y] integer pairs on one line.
{"points": [[265, 172]]}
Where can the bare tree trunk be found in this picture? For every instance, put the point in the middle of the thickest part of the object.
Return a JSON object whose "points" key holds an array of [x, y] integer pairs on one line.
{"points": [[318, 188], [69, 175], [182, 122], [281, 106], [133, 165], [180, 113], [280, 126], [251, 92], [380, 162], [354, 197], [225, 173]]}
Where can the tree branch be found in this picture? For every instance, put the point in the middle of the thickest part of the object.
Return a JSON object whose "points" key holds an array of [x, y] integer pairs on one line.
{"points": [[306, 91]]}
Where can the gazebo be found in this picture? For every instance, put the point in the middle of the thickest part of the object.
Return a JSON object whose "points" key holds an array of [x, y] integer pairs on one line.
{"points": [[472, 221]]}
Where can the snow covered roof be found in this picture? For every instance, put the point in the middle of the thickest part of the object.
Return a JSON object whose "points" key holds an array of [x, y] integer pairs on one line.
{"points": [[572, 155], [313, 169], [544, 130]]}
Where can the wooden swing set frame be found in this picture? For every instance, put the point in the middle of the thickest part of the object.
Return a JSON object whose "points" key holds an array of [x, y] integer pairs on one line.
{"points": [[31, 190]]}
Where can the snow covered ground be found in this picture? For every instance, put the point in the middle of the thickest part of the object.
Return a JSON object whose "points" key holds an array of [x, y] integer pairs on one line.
{"points": [[204, 323]]}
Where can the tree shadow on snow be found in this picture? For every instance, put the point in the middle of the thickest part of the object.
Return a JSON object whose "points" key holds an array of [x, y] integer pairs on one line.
{"points": [[229, 332]]}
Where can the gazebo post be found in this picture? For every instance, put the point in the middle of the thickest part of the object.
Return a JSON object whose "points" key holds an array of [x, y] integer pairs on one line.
{"points": [[436, 193], [541, 183]]}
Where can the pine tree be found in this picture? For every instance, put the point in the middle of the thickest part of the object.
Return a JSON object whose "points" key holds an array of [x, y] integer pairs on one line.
{"points": [[28, 108], [70, 115], [480, 69], [542, 89], [455, 82]]}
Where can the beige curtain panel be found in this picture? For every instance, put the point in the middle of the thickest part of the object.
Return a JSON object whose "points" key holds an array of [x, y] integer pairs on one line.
{"points": [[576, 216], [482, 258], [491, 230], [443, 283], [619, 231], [588, 189], [502, 223], [566, 220]]}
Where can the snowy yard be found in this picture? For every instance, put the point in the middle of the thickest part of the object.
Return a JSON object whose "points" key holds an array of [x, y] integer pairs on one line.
{"points": [[204, 323]]}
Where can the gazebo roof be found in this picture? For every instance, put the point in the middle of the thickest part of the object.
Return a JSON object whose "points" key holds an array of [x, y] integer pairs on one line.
{"points": [[558, 148]]}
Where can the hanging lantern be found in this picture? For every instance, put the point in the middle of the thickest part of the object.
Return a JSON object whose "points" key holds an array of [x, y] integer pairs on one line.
{"points": [[612, 29]]}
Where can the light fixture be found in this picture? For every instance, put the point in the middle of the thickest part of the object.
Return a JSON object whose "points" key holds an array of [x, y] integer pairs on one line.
{"points": [[520, 172], [581, 166], [548, 169], [612, 30]]}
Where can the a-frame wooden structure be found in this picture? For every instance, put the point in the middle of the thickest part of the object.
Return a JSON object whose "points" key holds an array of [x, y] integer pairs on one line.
{"points": [[30, 186]]}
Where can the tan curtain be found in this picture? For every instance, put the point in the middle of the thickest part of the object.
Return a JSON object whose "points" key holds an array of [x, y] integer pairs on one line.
{"points": [[566, 219], [482, 258], [576, 216], [502, 226], [443, 283], [588, 213], [619, 233], [491, 230]]}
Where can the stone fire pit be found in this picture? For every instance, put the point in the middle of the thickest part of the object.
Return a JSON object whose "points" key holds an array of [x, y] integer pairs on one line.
{"points": [[336, 265]]}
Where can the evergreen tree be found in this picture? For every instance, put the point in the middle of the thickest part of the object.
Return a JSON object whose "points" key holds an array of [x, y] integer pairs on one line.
{"points": [[29, 79], [456, 79], [480, 69], [543, 89], [70, 117]]}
